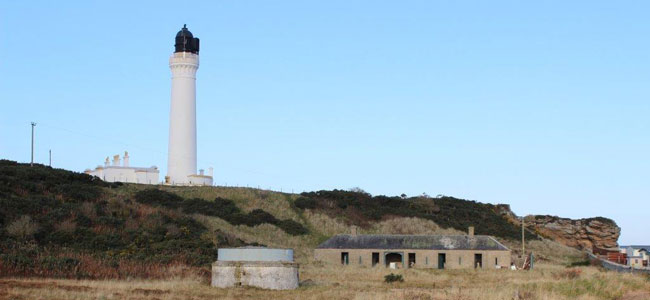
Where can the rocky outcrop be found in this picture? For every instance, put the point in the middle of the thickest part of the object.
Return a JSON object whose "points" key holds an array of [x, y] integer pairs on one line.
{"points": [[582, 233]]}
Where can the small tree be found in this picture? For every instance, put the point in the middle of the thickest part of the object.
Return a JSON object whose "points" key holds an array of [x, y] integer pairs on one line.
{"points": [[22, 228]]}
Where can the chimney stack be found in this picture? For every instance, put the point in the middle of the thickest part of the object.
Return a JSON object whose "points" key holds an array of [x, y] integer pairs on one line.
{"points": [[201, 172], [116, 160], [210, 171], [470, 231], [354, 230], [107, 162], [125, 162]]}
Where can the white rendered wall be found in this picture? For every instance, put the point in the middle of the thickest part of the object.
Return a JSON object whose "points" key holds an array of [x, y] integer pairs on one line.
{"points": [[126, 174], [182, 118], [199, 180], [146, 177]]}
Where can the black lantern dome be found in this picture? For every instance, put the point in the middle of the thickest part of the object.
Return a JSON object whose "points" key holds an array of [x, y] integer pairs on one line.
{"points": [[186, 42]]}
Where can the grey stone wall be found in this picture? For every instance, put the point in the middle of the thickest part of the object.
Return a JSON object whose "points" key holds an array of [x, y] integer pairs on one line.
{"points": [[262, 274], [617, 267]]}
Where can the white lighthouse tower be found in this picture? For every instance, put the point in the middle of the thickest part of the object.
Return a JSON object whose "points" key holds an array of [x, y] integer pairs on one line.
{"points": [[181, 161]]}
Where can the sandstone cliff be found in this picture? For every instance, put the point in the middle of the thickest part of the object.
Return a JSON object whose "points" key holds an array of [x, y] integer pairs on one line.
{"points": [[581, 233]]}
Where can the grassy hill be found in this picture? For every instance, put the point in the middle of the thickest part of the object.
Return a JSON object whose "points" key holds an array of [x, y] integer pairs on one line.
{"points": [[55, 222]]}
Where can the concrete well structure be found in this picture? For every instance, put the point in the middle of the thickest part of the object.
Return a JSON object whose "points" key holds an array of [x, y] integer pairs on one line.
{"points": [[255, 266]]}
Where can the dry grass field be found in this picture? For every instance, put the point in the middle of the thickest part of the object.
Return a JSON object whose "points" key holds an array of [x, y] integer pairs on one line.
{"points": [[334, 282]]}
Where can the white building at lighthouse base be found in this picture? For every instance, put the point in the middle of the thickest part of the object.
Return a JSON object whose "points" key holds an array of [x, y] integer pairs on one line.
{"points": [[122, 172]]}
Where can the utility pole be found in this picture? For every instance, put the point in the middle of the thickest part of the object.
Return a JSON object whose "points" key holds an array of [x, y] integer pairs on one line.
{"points": [[32, 163]]}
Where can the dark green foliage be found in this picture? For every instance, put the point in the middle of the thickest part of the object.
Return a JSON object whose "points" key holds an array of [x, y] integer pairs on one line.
{"points": [[158, 198], [292, 227], [580, 263], [305, 203], [79, 192], [77, 218], [17, 260], [82, 220], [449, 212], [58, 263], [390, 278], [222, 208], [259, 216], [51, 196]]}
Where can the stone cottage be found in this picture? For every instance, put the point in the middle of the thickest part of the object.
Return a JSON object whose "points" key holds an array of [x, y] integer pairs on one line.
{"points": [[415, 251]]}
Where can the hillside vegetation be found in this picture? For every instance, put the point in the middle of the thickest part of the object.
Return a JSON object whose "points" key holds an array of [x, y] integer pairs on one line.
{"points": [[59, 223]]}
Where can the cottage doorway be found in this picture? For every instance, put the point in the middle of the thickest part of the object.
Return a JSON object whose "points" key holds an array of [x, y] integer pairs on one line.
{"points": [[478, 261], [394, 257], [375, 258], [411, 260], [345, 258], [442, 260]]}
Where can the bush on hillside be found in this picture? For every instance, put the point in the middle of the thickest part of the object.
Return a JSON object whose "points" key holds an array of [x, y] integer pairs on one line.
{"points": [[22, 228], [292, 227], [362, 208], [158, 197], [259, 216], [220, 207], [305, 203]]}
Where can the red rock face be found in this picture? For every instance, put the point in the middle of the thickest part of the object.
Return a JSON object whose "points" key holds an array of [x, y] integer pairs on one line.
{"points": [[581, 233]]}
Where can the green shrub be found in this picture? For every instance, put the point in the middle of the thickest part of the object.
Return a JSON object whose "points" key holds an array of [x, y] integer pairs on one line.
{"points": [[79, 192], [390, 278], [292, 227], [227, 210], [580, 263], [158, 197], [200, 206], [259, 216], [220, 207], [58, 263], [225, 206], [17, 260], [361, 208], [82, 220], [23, 227], [305, 203]]}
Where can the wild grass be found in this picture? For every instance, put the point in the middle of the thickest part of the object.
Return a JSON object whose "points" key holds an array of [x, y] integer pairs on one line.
{"points": [[336, 282]]}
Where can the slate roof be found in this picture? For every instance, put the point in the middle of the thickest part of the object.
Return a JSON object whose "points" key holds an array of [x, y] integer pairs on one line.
{"points": [[423, 242], [646, 247]]}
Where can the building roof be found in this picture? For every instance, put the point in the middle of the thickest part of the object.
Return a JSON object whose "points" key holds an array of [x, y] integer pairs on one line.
{"points": [[186, 42], [428, 242], [636, 246]]}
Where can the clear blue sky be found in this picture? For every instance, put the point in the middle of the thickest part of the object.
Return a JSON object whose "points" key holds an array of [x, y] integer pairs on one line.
{"points": [[540, 104]]}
